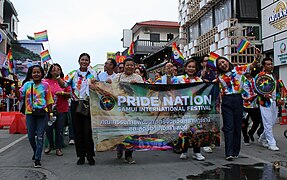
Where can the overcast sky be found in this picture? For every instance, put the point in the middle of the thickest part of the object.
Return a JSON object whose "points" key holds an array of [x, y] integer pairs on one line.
{"points": [[92, 26]]}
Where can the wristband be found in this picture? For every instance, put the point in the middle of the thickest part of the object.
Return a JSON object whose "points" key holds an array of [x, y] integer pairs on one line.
{"points": [[58, 77], [51, 114], [62, 93]]}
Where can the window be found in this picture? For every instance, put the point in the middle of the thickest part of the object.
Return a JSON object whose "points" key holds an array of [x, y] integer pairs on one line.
{"points": [[193, 32], [169, 37], [206, 23], [252, 31], [245, 10], [154, 37], [222, 11]]}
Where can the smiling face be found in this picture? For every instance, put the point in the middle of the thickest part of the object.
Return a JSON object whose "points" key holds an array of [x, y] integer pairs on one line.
{"points": [[268, 66], [84, 62], [137, 71], [56, 71], [190, 68], [36, 74], [223, 65], [129, 67], [169, 69]]}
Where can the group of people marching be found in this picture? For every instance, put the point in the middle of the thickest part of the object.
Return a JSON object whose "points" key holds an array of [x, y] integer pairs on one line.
{"points": [[52, 91]]}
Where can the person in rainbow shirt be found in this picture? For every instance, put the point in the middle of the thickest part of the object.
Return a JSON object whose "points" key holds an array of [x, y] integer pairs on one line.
{"points": [[79, 81], [268, 106], [251, 109], [230, 79], [37, 95], [190, 68]]}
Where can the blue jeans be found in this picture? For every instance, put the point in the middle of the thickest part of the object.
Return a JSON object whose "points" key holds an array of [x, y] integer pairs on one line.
{"points": [[58, 125], [36, 127]]}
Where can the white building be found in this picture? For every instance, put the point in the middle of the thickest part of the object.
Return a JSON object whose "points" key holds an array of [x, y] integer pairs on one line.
{"points": [[274, 34], [218, 26], [151, 39]]}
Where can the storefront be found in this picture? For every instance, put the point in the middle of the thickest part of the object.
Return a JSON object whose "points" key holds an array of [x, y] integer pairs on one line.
{"points": [[274, 34]]}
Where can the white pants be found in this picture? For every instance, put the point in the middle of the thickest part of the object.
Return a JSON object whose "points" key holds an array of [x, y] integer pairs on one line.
{"points": [[269, 116]]}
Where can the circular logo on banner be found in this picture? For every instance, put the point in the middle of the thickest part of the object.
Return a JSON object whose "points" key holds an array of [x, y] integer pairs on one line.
{"points": [[282, 47], [264, 84], [107, 103]]}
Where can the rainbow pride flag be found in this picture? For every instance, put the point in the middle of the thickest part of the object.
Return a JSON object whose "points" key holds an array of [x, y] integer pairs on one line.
{"points": [[10, 61], [45, 56], [131, 49], [41, 36], [242, 45], [212, 60], [176, 55]]}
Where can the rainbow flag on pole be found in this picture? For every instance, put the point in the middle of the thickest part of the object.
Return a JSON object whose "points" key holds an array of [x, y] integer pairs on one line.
{"points": [[242, 45], [212, 60], [176, 55], [10, 61], [45, 56], [41, 36], [131, 50]]}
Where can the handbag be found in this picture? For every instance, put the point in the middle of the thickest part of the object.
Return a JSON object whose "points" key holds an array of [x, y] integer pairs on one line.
{"points": [[83, 107], [37, 111]]}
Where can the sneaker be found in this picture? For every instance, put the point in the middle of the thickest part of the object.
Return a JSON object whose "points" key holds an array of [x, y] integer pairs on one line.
{"points": [[264, 144], [247, 144], [130, 160], [119, 154], [198, 156], [235, 157], [229, 158], [207, 149], [183, 156], [37, 164], [72, 142], [273, 148]]}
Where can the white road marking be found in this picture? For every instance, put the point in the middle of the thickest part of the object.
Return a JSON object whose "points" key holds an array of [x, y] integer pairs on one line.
{"points": [[13, 143]]}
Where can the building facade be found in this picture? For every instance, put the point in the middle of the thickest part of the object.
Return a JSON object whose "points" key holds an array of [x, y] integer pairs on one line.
{"points": [[274, 34], [218, 26], [151, 41]]}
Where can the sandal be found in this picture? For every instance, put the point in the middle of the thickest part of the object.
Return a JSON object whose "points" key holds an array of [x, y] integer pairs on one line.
{"points": [[59, 152], [47, 150]]}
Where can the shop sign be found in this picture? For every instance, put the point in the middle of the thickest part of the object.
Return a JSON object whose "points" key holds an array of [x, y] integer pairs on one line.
{"points": [[280, 52], [279, 17]]}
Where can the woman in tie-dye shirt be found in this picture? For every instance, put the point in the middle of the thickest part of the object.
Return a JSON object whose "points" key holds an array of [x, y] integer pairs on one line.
{"points": [[37, 95], [230, 79], [79, 81]]}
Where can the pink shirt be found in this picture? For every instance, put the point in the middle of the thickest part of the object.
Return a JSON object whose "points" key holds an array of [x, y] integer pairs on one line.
{"points": [[62, 102]]}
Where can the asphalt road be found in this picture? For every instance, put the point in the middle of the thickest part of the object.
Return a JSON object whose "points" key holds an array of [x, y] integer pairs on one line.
{"points": [[16, 163]]}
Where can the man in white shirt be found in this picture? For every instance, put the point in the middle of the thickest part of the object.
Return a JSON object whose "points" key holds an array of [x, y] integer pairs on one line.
{"points": [[108, 73]]}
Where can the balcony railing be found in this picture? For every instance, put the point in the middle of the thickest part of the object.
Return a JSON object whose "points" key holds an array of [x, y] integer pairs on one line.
{"points": [[150, 43]]}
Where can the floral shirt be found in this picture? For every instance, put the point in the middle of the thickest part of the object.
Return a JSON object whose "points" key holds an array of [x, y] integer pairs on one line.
{"points": [[42, 96], [232, 82], [79, 82], [184, 79], [122, 77], [249, 92]]}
